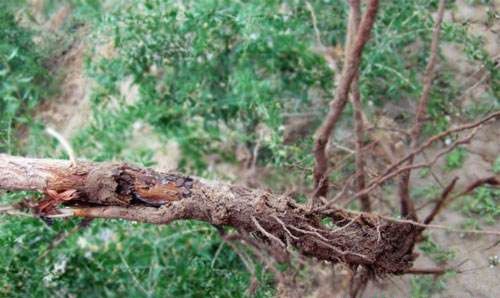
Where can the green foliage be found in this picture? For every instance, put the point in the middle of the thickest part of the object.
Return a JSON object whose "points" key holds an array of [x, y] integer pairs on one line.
{"points": [[120, 259], [23, 80], [435, 252], [496, 165], [483, 203], [426, 286], [207, 67], [455, 159], [211, 74]]}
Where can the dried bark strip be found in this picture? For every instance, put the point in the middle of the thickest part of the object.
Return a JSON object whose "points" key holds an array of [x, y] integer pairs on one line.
{"points": [[110, 190]]}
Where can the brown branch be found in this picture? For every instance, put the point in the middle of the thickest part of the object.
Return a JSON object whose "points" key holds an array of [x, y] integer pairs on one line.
{"points": [[381, 179], [492, 180], [407, 205], [443, 201], [431, 271], [121, 191], [439, 205], [435, 138], [338, 104], [354, 20]]}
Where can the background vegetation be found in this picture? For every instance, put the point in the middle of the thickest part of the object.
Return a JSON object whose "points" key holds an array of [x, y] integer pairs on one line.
{"points": [[214, 77]]}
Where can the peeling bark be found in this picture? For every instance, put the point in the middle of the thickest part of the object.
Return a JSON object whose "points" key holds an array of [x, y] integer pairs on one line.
{"points": [[117, 190]]}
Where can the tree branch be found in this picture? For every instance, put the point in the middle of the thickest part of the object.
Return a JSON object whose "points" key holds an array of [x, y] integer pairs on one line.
{"points": [[338, 104], [407, 205], [115, 190], [354, 20]]}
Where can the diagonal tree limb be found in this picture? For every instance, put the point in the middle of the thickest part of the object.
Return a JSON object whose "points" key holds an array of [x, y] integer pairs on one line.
{"points": [[407, 205], [443, 201], [381, 179], [438, 207], [338, 104]]}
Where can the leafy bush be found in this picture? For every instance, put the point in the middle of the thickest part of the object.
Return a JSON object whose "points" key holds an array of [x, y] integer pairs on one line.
{"points": [[23, 79]]}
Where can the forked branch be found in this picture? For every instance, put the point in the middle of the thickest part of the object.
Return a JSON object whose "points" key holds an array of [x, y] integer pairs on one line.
{"points": [[339, 102], [407, 205]]}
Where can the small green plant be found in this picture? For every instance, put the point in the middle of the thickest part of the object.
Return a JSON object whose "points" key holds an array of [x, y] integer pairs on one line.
{"points": [[426, 286], [455, 159], [471, 224], [435, 252], [496, 165], [483, 203]]}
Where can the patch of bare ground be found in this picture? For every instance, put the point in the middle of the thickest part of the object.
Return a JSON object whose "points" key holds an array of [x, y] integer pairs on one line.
{"points": [[69, 109], [166, 153]]}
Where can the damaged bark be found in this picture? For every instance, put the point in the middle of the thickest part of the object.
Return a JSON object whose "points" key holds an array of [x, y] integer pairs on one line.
{"points": [[117, 190]]}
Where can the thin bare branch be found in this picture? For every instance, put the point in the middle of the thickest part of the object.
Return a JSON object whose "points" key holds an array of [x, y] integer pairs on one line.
{"points": [[338, 104], [389, 172], [431, 271], [439, 205], [435, 138], [354, 20], [266, 233], [407, 205], [381, 179]]}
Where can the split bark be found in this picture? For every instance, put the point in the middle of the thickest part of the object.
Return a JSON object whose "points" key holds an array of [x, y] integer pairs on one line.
{"points": [[117, 190]]}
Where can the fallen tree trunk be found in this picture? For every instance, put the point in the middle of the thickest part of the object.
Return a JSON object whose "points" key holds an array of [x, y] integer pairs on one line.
{"points": [[118, 190]]}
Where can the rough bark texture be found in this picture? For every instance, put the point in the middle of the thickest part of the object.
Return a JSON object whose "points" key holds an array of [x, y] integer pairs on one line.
{"points": [[117, 190]]}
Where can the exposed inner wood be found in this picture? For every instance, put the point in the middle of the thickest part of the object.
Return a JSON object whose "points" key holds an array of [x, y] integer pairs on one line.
{"points": [[111, 190]]}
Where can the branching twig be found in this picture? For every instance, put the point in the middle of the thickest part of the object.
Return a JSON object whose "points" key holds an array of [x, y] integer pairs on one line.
{"points": [[435, 138], [395, 173], [407, 205], [284, 227], [266, 233]]}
